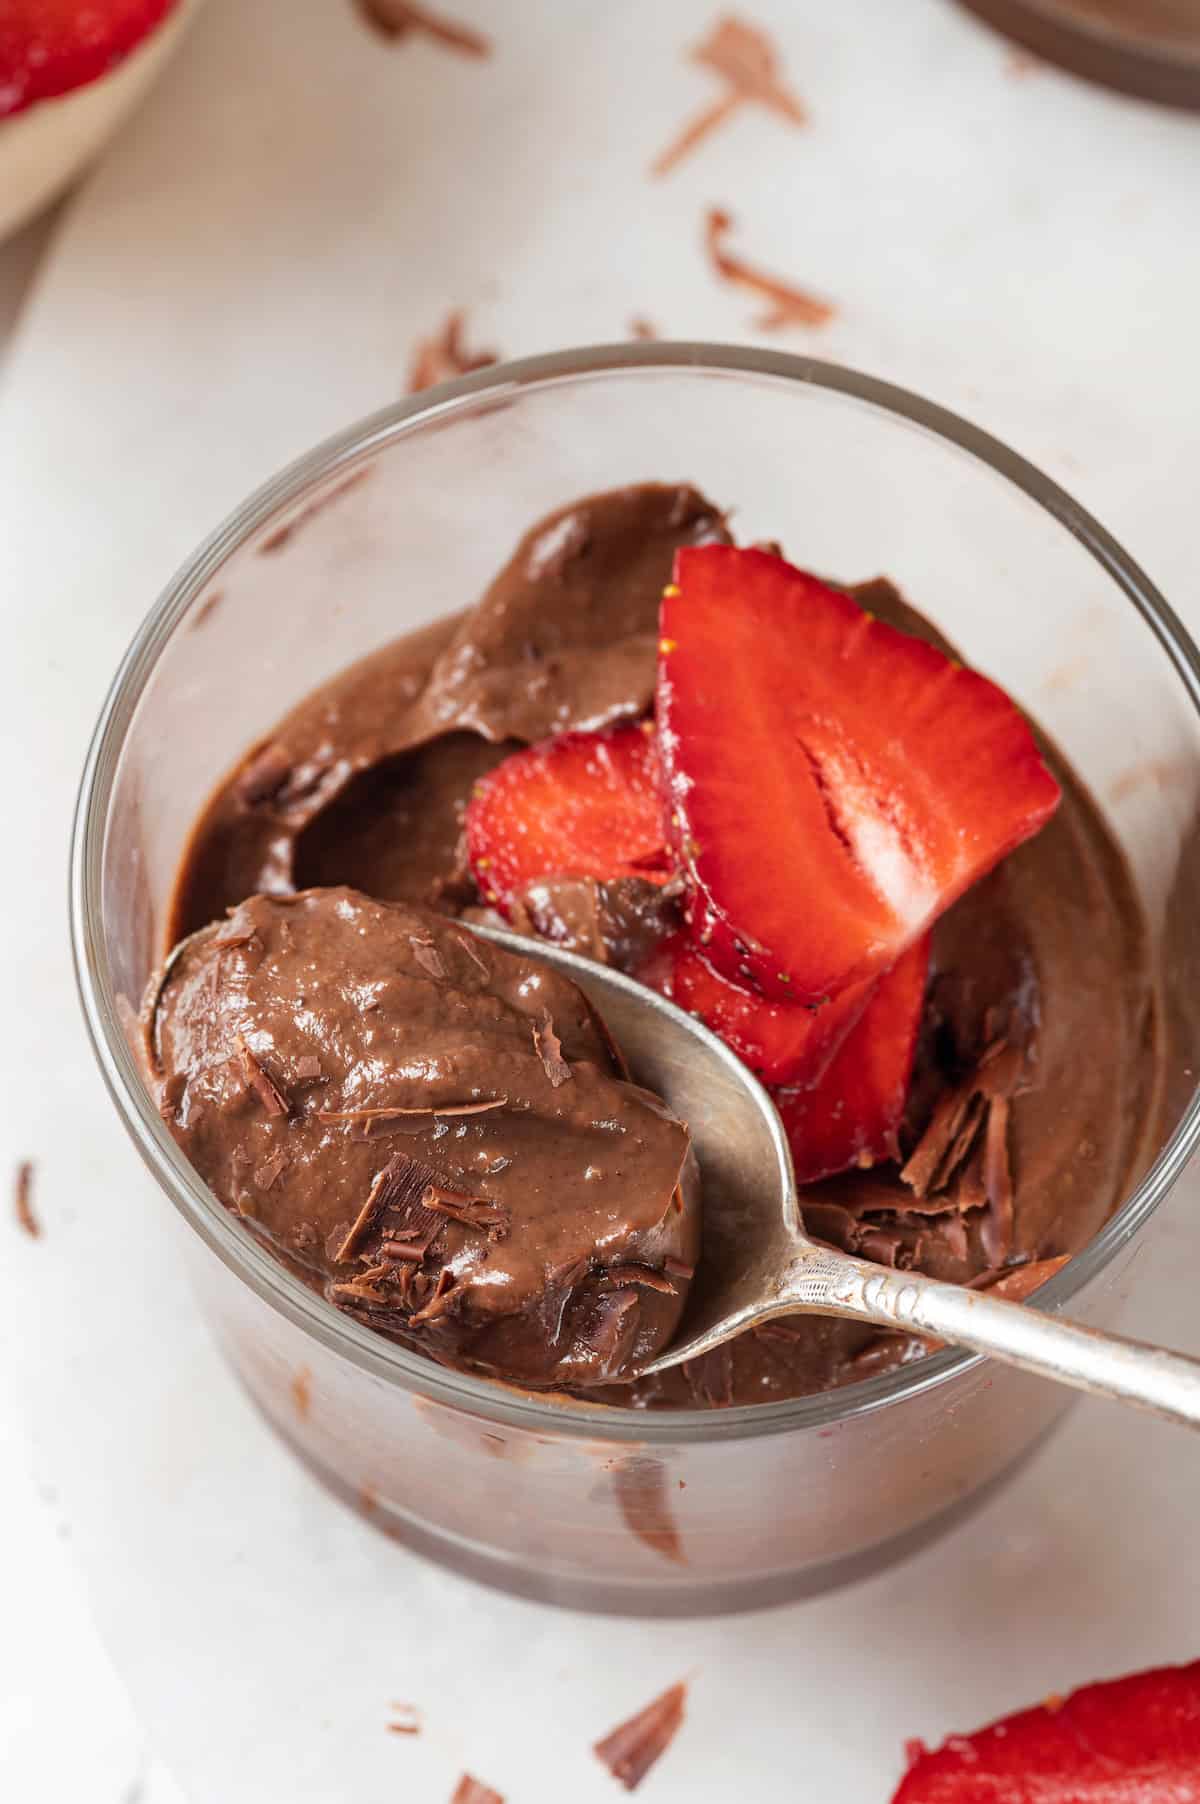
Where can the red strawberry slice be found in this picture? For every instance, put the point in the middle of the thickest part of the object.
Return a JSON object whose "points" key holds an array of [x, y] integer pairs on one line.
{"points": [[50, 46], [852, 1114], [832, 784], [580, 805], [1126, 1741], [781, 1042]]}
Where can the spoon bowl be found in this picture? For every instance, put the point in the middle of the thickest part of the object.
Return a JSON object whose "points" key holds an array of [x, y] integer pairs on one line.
{"points": [[757, 1263]]}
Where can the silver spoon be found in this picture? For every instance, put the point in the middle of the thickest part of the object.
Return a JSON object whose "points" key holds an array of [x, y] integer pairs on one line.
{"points": [[758, 1263]]}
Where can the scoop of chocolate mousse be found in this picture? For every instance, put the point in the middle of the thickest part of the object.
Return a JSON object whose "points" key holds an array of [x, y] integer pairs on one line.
{"points": [[439, 1132]]}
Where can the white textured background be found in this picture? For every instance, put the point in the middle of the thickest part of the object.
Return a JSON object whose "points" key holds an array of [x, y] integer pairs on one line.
{"points": [[248, 270]]}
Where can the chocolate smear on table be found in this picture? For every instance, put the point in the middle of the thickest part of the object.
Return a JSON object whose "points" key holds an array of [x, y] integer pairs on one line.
{"points": [[393, 20], [284, 534], [23, 1200], [743, 57], [633, 1747], [789, 305], [443, 355]]}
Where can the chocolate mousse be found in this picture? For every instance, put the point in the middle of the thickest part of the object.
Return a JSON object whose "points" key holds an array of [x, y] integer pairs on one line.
{"points": [[338, 846], [436, 1132]]}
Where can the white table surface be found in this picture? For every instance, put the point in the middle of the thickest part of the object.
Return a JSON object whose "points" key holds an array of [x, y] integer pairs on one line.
{"points": [[249, 269]]}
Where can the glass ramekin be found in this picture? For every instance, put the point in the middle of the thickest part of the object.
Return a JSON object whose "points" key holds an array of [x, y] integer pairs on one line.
{"points": [[406, 516]]}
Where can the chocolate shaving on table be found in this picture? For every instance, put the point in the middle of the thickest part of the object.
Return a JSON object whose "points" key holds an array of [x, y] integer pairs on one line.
{"points": [[744, 58], [470, 1790], [633, 1747], [443, 356], [429, 958], [283, 535], [548, 1047], [789, 304], [23, 1200], [471, 1211], [391, 1113], [406, 1720], [640, 1274], [396, 19], [267, 1092]]}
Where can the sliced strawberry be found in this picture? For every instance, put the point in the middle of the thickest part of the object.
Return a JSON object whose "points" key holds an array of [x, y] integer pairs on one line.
{"points": [[852, 1114], [781, 1042], [581, 805], [50, 46], [1125, 1741], [832, 784]]}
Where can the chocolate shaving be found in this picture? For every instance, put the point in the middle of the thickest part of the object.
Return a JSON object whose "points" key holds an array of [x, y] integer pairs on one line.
{"points": [[390, 1114], [643, 1275], [23, 1200], [269, 1170], [959, 1117], [633, 1747], [548, 1047], [996, 1231], [401, 1251], [429, 958], [678, 1268], [308, 1069], [470, 1790], [443, 356], [744, 59], [711, 1376], [789, 305], [396, 19], [406, 1720], [171, 1095], [641, 327], [473, 953], [443, 1299], [282, 535], [267, 1092], [399, 1185], [1016, 1282], [471, 1211], [643, 1497]]}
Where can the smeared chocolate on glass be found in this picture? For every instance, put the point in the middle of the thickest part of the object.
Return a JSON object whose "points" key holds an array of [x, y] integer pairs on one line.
{"points": [[315, 1003]]}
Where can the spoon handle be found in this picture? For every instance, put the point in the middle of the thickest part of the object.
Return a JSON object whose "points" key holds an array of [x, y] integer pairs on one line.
{"points": [[1106, 1365]]}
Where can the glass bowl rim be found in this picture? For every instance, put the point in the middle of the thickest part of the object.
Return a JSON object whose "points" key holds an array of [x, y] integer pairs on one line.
{"points": [[244, 1256]]}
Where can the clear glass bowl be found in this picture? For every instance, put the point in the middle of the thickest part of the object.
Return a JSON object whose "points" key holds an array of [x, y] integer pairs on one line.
{"points": [[407, 516]]}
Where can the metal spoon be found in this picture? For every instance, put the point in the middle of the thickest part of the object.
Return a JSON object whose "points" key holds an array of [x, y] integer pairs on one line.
{"points": [[758, 1263]]}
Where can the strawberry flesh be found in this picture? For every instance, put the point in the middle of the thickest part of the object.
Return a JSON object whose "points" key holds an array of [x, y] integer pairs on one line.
{"points": [[1125, 1741], [48, 47], [832, 784], [851, 1114], [781, 1042], [579, 805]]}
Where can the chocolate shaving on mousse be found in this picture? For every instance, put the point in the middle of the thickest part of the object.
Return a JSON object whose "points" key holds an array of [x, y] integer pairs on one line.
{"points": [[283, 535], [471, 1211], [789, 305], [23, 1200], [472, 951], [633, 1747], [391, 1114], [744, 58], [470, 1790], [266, 1174], [308, 1069], [443, 1299], [267, 1092], [961, 1161], [640, 1274], [398, 1188], [548, 1047], [443, 356], [605, 1331], [678, 1268], [396, 19], [429, 959]]}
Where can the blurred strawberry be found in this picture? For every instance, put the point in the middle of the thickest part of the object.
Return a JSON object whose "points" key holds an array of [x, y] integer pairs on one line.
{"points": [[48, 47]]}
